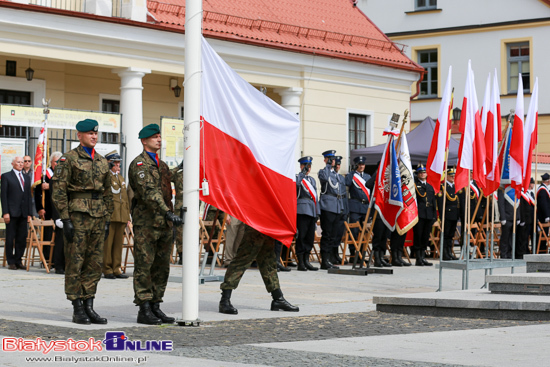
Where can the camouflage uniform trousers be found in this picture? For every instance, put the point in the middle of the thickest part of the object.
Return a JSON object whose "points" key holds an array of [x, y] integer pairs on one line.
{"points": [[152, 247], [254, 246], [84, 256], [179, 239]]}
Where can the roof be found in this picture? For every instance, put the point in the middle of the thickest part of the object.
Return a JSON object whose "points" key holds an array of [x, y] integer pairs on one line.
{"points": [[334, 28]]}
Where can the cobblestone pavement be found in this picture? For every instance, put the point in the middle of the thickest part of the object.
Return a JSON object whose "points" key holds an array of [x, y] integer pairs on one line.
{"points": [[228, 341]]}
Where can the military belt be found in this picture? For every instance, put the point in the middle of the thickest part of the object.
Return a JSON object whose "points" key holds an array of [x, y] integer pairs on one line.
{"points": [[86, 195], [362, 201], [336, 196]]}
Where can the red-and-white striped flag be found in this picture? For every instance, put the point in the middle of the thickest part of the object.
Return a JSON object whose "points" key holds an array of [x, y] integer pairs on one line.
{"points": [[471, 153], [440, 140], [492, 133], [530, 134], [516, 145], [247, 151]]}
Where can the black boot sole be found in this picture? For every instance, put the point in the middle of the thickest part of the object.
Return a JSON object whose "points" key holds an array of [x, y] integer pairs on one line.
{"points": [[82, 322], [229, 312]]}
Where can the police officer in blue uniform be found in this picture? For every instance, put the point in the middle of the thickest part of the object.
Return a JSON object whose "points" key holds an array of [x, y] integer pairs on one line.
{"points": [[331, 208], [358, 198], [308, 210], [336, 259]]}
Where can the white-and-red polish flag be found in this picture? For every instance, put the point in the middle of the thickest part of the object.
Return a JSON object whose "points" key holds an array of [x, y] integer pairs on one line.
{"points": [[471, 153], [440, 140], [516, 144], [408, 217], [530, 134], [492, 133], [247, 151], [39, 157]]}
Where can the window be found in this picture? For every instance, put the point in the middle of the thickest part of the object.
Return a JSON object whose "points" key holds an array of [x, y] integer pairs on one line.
{"points": [[357, 131], [15, 97], [428, 86], [518, 62], [110, 105], [425, 4]]}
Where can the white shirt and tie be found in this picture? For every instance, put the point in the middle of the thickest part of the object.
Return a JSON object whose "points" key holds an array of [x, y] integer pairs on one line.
{"points": [[21, 178]]}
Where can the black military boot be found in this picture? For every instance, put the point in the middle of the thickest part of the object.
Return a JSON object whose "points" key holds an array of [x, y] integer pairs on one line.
{"points": [[400, 257], [89, 309], [424, 261], [336, 259], [395, 259], [225, 303], [418, 257], [281, 267], [155, 307], [325, 261], [446, 255], [301, 264], [307, 263], [179, 260], [279, 303], [146, 316], [79, 315], [377, 257], [383, 261]]}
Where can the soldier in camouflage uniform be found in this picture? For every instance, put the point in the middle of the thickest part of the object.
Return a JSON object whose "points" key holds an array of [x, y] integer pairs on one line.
{"points": [[258, 246], [82, 195], [177, 179], [153, 218]]}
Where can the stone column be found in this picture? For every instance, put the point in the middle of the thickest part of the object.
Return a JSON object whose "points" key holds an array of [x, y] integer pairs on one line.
{"points": [[131, 108], [290, 99]]}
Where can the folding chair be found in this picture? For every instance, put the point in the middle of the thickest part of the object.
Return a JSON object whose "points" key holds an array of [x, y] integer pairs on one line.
{"points": [[543, 236], [290, 254], [350, 240], [128, 245], [37, 243], [435, 236]]}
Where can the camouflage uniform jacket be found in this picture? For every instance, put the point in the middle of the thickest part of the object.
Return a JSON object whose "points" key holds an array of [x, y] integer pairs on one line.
{"points": [[152, 191], [177, 179], [76, 176]]}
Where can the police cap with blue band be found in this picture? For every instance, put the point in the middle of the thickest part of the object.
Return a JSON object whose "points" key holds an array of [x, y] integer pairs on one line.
{"points": [[305, 160]]}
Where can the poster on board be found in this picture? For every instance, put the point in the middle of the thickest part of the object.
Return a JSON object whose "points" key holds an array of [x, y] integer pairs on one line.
{"points": [[9, 149], [171, 130]]}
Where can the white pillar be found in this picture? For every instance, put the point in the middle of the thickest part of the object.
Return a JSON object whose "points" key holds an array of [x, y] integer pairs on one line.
{"points": [[291, 100], [131, 108]]}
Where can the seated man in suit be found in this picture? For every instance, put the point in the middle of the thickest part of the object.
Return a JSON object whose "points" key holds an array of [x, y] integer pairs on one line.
{"points": [[16, 211]]}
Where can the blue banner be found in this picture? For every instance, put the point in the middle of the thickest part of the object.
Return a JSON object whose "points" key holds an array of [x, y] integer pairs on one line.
{"points": [[396, 195]]}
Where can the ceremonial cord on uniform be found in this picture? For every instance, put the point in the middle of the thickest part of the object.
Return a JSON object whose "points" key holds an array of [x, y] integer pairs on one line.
{"points": [[450, 198], [418, 192]]}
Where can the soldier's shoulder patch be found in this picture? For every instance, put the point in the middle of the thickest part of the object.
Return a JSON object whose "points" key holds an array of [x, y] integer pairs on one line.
{"points": [[140, 163], [63, 159], [141, 174]]}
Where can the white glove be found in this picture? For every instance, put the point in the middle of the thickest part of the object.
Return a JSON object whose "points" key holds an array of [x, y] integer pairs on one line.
{"points": [[522, 224], [517, 222], [546, 220], [58, 223], [503, 222]]}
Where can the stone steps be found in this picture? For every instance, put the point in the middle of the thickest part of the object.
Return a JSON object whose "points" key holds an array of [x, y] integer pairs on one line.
{"points": [[523, 283], [537, 263]]}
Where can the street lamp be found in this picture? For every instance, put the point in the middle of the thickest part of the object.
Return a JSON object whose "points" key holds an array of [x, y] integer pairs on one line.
{"points": [[29, 73]]}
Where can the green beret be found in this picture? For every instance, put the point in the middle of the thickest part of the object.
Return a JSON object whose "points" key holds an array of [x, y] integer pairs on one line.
{"points": [[149, 131], [87, 125]]}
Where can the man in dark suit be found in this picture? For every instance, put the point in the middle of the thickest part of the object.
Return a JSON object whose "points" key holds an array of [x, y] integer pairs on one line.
{"points": [[16, 211], [425, 197], [46, 211]]}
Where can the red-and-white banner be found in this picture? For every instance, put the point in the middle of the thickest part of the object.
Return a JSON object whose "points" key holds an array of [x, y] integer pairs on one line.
{"points": [[247, 151], [530, 134], [409, 215], [471, 152], [309, 187], [516, 145], [440, 140], [39, 157], [362, 184]]}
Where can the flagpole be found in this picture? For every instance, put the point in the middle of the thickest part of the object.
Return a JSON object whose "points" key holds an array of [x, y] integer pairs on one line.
{"points": [[191, 174], [466, 237], [533, 238], [46, 104], [441, 234], [514, 231]]}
